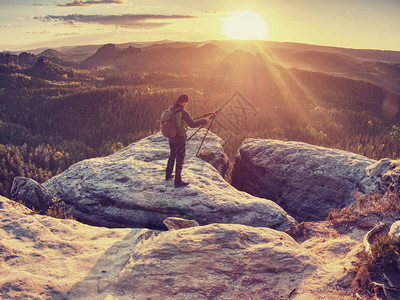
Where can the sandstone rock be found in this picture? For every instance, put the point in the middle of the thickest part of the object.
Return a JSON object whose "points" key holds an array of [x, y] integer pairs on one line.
{"points": [[394, 232], [179, 223], [390, 175], [46, 258], [217, 261], [127, 189], [217, 159], [308, 180], [33, 194]]}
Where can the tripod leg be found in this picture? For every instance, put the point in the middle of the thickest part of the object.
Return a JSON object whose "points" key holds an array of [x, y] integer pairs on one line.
{"points": [[195, 132], [204, 138]]}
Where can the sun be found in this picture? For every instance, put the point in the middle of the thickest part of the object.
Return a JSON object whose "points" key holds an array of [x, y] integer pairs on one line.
{"points": [[245, 25]]}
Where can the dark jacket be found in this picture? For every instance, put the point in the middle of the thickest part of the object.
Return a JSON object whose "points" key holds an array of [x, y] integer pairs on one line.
{"points": [[182, 121]]}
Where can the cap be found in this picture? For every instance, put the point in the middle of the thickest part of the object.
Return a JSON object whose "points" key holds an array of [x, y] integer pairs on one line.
{"points": [[183, 98]]}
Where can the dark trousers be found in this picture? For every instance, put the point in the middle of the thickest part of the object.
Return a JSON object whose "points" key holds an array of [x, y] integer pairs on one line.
{"points": [[178, 149]]}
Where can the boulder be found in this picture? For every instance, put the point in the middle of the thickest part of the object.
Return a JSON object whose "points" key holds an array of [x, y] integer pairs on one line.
{"points": [[127, 189], [179, 223], [217, 261], [308, 180], [394, 232], [31, 193]]}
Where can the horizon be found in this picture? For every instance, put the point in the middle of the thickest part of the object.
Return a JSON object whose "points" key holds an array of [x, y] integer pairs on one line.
{"points": [[166, 41], [359, 24]]}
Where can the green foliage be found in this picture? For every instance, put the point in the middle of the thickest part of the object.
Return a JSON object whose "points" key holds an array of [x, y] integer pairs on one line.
{"points": [[49, 121]]}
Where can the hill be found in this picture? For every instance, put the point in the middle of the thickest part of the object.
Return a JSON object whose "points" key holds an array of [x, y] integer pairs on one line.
{"points": [[46, 69], [58, 58], [179, 57]]}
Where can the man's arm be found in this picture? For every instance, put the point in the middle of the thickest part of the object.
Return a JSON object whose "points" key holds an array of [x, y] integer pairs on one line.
{"points": [[188, 119]]}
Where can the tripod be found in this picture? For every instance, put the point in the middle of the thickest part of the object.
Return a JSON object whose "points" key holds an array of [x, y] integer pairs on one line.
{"points": [[213, 115]]}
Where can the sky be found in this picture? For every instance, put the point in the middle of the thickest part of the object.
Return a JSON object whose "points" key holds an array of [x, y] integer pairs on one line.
{"points": [[362, 24]]}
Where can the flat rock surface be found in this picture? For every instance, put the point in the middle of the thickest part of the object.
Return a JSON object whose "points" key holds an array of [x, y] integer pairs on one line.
{"points": [[127, 189], [308, 180]]}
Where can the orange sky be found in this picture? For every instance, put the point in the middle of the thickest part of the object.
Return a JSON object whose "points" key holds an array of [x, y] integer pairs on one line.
{"points": [[50, 23]]}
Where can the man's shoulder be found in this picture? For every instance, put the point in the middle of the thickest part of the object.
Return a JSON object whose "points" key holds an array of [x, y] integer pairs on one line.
{"points": [[176, 108]]}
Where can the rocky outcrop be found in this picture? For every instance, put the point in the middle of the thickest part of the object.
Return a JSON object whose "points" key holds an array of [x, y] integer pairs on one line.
{"points": [[127, 189], [24, 59], [27, 59], [31, 193], [216, 261], [46, 258], [308, 180]]}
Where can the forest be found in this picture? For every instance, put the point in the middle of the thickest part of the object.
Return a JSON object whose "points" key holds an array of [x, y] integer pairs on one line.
{"points": [[52, 116]]}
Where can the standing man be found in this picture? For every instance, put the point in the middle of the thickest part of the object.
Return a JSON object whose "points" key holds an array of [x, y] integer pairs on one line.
{"points": [[177, 144]]}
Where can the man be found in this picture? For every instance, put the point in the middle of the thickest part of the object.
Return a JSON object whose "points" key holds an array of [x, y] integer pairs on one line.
{"points": [[177, 144]]}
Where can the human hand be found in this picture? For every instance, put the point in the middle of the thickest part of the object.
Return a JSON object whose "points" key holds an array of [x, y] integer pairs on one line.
{"points": [[209, 119]]}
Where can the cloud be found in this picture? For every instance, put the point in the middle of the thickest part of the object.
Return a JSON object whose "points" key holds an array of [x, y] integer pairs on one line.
{"points": [[37, 4], [89, 2], [126, 21], [4, 25], [38, 32], [67, 33]]}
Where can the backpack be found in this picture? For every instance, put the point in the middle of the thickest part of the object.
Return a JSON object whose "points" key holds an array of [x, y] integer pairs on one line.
{"points": [[168, 127]]}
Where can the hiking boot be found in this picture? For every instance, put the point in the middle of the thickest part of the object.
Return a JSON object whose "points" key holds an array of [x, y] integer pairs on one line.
{"points": [[168, 177], [181, 184]]}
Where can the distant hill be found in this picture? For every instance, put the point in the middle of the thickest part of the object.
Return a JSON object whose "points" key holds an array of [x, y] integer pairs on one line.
{"points": [[362, 54], [52, 53], [59, 58], [48, 70], [379, 67], [155, 57], [324, 61], [341, 62], [109, 54], [375, 66]]}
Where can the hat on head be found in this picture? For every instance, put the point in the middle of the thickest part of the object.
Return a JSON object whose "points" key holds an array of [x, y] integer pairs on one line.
{"points": [[183, 98]]}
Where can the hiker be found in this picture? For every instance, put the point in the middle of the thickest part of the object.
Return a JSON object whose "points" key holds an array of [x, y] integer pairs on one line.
{"points": [[177, 143]]}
